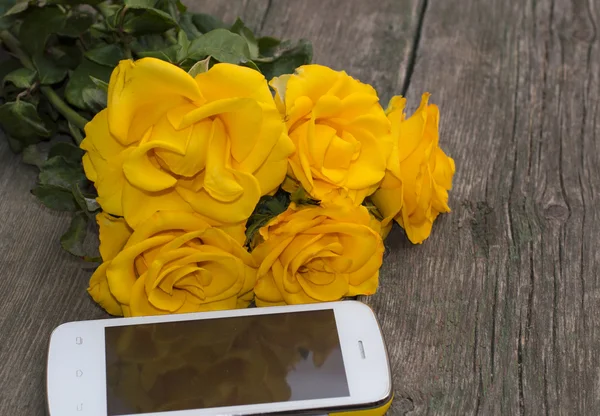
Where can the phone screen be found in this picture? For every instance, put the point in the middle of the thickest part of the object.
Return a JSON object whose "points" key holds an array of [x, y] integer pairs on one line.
{"points": [[233, 361]]}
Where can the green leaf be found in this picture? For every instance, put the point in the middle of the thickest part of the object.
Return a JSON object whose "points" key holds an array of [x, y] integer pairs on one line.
{"points": [[7, 65], [107, 55], [21, 78], [67, 151], [5, 22], [49, 72], [55, 198], [76, 24], [15, 145], [287, 60], [87, 203], [62, 173], [75, 2], [184, 44], [72, 241], [301, 197], [20, 120], [8, 11], [32, 156], [75, 132], [268, 207], [199, 67], [250, 64], [241, 29], [168, 54], [146, 21], [108, 10], [101, 30], [169, 7], [64, 55], [100, 84], [18, 7], [81, 91], [95, 99], [222, 45], [372, 208], [148, 43], [186, 23], [268, 45], [206, 22], [180, 6], [44, 107], [38, 25], [140, 4]]}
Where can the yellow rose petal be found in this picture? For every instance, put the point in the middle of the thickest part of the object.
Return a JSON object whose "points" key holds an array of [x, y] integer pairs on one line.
{"points": [[273, 171], [334, 291], [228, 80], [114, 233], [219, 181], [100, 291], [98, 135], [194, 142], [109, 183], [224, 211], [141, 172], [140, 305], [129, 90], [121, 276], [88, 168], [139, 205]]}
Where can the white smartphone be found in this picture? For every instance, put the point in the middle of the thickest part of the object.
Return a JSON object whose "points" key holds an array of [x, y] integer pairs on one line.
{"points": [[304, 359]]}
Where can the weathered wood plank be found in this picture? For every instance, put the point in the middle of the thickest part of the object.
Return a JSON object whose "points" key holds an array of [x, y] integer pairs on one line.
{"points": [[498, 312], [372, 42]]}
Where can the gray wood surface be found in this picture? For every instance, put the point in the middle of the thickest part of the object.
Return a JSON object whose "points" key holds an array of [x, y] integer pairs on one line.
{"points": [[499, 311]]}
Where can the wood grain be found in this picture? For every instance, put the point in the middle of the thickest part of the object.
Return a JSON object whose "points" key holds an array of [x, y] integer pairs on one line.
{"points": [[498, 312]]}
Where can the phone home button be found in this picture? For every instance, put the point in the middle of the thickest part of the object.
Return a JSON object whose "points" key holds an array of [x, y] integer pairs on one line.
{"points": [[79, 341]]}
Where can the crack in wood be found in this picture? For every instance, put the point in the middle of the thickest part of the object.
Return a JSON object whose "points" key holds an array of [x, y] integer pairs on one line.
{"points": [[520, 373], [264, 18], [493, 330], [546, 402], [410, 67]]}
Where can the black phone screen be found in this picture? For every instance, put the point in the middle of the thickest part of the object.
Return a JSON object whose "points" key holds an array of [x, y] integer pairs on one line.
{"points": [[233, 361]]}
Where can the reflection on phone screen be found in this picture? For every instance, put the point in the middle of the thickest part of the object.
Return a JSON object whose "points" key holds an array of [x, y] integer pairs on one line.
{"points": [[223, 362]]}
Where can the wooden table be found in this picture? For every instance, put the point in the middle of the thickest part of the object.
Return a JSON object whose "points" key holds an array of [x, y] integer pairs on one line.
{"points": [[499, 311]]}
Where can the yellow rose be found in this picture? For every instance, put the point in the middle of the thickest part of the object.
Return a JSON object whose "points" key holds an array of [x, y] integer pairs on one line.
{"points": [[317, 254], [415, 188], [339, 129], [174, 262], [211, 144]]}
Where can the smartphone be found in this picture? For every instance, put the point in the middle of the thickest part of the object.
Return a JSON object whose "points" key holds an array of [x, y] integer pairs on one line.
{"points": [[303, 359]]}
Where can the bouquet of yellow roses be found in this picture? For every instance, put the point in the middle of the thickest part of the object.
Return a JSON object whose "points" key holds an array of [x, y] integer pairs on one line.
{"points": [[223, 182]]}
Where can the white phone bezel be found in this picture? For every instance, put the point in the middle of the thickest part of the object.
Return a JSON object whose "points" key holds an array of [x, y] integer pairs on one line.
{"points": [[76, 376]]}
